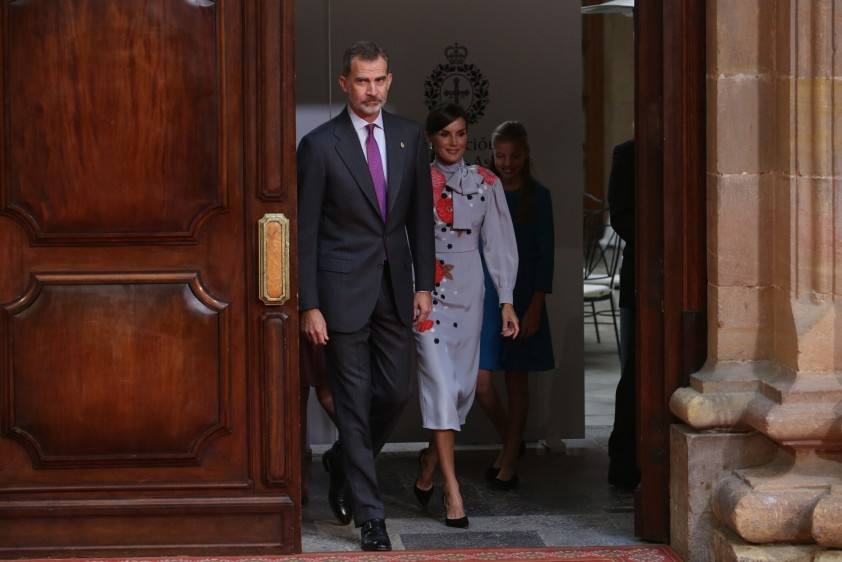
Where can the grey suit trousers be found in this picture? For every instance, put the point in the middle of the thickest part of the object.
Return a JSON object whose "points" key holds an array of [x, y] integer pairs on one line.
{"points": [[370, 376]]}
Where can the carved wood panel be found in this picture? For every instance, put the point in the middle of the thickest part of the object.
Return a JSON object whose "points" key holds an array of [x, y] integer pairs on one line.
{"points": [[276, 380], [77, 342], [148, 397], [73, 90]]}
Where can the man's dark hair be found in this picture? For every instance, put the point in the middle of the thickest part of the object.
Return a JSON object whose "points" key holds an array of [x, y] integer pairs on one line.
{"points": [[442, 116], [365, 50]]}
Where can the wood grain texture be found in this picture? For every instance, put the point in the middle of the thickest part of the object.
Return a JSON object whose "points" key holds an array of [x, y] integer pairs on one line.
{"points": [[112, 131], [132, 373], [165, 526], [157, 341], [671, 261], [275, 375], [651, 517]]}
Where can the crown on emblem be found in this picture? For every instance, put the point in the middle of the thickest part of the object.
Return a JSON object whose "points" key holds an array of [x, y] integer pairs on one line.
{"points": [[456, 53]]}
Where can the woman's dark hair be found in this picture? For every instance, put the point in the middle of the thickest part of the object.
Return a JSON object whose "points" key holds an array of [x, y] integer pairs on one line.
{"points": [[515, 133], [442, 116]]}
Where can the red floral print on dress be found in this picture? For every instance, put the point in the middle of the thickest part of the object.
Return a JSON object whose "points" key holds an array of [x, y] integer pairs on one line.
{"points": [[488, 176], [444, 209], [443, 270], [438, 183], [425, 325]]}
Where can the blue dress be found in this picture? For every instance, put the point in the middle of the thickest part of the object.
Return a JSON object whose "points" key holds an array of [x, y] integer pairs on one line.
{"points": [[536, 249]]}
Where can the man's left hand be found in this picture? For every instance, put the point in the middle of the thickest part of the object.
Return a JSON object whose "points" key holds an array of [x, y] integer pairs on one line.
{"points": [[422, 307]]}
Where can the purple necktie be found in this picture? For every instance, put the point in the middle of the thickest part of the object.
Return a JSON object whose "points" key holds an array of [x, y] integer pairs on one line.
{"points": [[375, 168]]}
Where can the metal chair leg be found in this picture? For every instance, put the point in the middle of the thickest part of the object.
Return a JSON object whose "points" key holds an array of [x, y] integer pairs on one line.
{"points": [[595, 323], [614, 321]]}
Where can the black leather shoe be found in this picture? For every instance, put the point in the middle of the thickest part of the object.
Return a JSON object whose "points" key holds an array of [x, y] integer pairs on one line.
{"points": [[337, 495], [373, 536]]}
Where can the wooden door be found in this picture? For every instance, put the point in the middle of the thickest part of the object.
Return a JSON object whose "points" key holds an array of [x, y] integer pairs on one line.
{"points": [[671, 268], [148, 364]]}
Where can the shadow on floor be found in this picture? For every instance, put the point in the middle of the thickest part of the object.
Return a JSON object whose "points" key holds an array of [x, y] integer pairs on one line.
{"points": [[562, 500]]}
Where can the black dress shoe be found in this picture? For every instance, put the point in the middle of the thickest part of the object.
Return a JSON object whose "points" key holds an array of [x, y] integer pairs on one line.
{"points": [[504, 485], [373, 536], [337, 495]]}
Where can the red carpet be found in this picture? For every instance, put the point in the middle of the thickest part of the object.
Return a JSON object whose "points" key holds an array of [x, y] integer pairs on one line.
{"points": [[654, 553]]}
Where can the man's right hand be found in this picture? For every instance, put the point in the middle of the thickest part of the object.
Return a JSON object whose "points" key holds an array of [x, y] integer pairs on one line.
{"points": [[314, 327]]}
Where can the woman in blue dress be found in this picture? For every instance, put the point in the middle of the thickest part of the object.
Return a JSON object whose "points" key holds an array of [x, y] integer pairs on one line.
{"points": [[530, 207]]}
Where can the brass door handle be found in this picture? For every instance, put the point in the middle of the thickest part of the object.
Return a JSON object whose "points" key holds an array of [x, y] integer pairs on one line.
{"points": [[273, 244]]}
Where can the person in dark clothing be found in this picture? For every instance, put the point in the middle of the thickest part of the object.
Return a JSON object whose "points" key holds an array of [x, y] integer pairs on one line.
{"points": [[623, 471], [531, 209]]}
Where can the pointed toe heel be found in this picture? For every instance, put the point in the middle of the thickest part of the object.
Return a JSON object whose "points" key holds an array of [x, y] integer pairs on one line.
{"points": [[491, 473], [423, 496], [504, 485], [460, 523]]}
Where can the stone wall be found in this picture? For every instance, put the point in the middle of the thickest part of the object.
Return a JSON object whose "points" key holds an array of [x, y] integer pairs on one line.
{"points": [[775, 269]]}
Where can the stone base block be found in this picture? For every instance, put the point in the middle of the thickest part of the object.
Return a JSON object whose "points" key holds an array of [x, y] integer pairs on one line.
{"points": [[828, 556], [727, 547], [827, 520], [789, 500], [698, 460]]}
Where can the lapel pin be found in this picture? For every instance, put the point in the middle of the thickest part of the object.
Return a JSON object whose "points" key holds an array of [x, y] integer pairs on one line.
{"points": [[403, 145]]}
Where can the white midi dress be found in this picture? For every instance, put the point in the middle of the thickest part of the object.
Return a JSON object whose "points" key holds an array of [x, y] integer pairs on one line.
{"points": [[470, 210]]}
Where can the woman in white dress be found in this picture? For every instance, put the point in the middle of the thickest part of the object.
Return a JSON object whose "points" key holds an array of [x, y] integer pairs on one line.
{"points": [[470, 214]]}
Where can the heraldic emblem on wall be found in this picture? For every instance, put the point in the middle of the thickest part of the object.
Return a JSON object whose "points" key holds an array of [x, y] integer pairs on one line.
{"points": [[459, 83]]}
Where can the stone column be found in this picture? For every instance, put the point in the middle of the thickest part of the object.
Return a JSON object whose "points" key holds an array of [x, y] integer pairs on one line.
{"points": [[775, 265]]}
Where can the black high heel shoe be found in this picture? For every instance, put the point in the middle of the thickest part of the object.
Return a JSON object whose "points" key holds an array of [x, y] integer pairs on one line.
{"points": [[459, 523], [491, 473], [504, 485], [423, 496]]}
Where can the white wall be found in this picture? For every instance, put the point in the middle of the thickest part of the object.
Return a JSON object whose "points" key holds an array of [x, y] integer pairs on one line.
{"points": [[530, 53]]}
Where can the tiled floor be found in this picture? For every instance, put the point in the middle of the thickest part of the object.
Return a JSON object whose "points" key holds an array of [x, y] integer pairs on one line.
{"points": [[563, 499]]}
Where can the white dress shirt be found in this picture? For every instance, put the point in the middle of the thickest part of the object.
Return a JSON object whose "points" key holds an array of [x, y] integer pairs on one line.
{"points": [[360, 125]]}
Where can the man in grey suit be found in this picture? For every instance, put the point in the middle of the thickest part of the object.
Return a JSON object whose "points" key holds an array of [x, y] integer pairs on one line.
{"points": [[364, 224]]}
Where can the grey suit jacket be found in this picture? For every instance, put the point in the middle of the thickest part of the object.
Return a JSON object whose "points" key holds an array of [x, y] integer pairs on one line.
{"points": [[343, 241]]}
